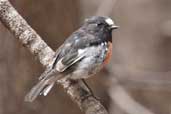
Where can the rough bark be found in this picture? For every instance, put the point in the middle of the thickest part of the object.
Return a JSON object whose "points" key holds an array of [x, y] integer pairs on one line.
{"points": [[77, 90]]}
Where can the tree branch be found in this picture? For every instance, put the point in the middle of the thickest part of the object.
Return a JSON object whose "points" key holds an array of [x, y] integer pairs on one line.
{"points": [[77, 90]]}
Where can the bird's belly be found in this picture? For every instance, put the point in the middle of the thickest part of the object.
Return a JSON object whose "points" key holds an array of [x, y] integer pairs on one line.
{"points": [[86, 68], [90, 65]]}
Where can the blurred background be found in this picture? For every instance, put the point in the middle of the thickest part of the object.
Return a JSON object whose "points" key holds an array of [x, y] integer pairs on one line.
{"points": [[137, 81]]}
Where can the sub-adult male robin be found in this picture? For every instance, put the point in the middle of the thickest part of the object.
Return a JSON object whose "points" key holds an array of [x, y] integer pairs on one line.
{"points": [[82, 55]]}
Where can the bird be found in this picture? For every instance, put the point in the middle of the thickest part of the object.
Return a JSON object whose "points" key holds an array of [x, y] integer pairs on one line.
{"points": [[84, 53]]}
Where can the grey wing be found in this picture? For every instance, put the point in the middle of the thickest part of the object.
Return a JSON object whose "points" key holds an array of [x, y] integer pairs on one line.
{"points": [[69, 53], [68, 60], [64, 58], [74, 50], [49, 71]]}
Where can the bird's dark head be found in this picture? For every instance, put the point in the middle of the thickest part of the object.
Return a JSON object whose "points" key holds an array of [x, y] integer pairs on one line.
{"points": [[101, 22], [100, 25]]}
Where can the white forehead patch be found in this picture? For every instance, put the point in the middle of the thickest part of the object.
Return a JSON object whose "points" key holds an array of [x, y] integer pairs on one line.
{"points": [[109, 21]]}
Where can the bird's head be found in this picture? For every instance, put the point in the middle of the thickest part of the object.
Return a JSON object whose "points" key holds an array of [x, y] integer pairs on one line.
{"points": [[100, 25], [101, 22]]}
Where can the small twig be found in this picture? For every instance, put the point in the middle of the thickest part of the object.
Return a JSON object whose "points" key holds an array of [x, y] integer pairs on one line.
{"points": [[78, 91]]}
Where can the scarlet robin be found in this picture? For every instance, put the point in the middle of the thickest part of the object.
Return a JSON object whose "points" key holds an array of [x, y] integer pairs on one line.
{"points": [[82, 55]]}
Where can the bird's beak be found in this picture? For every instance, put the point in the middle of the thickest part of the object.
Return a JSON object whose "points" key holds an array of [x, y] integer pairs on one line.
{"points": [[114, 27]]}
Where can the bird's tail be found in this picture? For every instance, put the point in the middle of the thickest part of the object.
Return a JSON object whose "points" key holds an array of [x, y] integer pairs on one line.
{"points": [[42, 87]]}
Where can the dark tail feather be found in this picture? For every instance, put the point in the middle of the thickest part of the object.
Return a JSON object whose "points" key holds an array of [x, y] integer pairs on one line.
{"points": [[43, 87], [47, 73]]}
